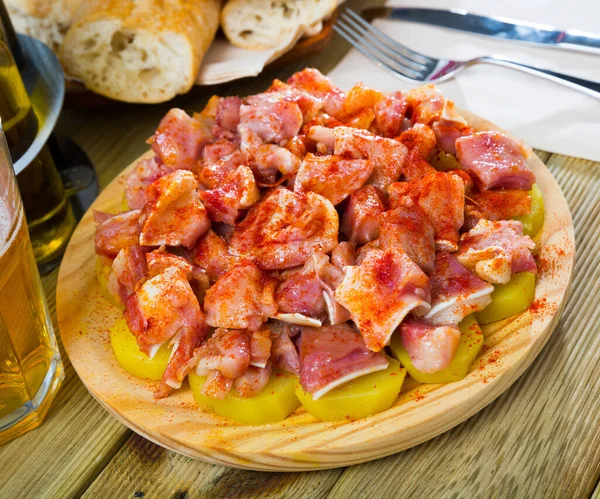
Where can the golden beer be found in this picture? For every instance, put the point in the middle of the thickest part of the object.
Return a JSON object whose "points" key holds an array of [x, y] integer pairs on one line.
{"points": [[50, 218], [49, 215], [30, 366]]}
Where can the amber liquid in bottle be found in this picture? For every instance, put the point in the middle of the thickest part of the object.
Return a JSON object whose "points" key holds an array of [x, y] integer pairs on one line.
{"points": [[50, 218]]}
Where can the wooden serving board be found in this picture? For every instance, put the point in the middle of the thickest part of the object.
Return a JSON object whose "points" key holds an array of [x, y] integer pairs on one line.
{"points": [[301, 442]]}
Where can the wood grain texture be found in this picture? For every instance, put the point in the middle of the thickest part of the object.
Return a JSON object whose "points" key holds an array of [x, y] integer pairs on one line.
{"points": [[162, 473], [300, 442]]}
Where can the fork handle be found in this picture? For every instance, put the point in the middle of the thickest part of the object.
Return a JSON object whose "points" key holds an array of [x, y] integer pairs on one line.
{"points": [[591, 88]]}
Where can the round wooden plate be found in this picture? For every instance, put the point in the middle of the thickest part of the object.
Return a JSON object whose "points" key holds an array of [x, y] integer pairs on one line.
{"points": [[301, 442]]}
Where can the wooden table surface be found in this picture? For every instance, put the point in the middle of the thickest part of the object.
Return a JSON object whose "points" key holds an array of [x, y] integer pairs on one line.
{"points": [[540, 439]]}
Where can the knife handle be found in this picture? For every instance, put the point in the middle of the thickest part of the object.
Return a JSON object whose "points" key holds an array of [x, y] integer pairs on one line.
{"points": [[589, 87], [579, 41]]}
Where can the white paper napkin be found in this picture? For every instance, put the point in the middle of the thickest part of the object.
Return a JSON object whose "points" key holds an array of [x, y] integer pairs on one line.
{"points": [[544, 114], [225, 62]]}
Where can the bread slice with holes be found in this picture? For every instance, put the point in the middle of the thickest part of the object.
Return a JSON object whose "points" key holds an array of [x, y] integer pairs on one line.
{"points": [[139, 50], [43, 19], [322, 9], [260, 24]]}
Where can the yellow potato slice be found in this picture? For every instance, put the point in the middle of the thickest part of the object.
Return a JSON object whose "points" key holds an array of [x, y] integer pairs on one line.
{"points": [[132, 359], [102, 273], [471, 341], [509, 299], [273, 403], [124, 204], [533, 222], [359, 398], [444, 162]]}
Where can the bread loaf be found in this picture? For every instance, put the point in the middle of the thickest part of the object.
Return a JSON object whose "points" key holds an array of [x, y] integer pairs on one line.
{"points": [[259, 24], [46, 20], [139, 50]]}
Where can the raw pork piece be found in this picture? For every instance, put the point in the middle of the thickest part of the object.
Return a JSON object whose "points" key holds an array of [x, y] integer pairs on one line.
{"points": [[333, 355], [381, 291]]}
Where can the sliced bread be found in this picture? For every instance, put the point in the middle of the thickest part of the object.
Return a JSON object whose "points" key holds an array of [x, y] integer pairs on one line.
{"points": [[139, 50], [260, 24], [46, 20]]}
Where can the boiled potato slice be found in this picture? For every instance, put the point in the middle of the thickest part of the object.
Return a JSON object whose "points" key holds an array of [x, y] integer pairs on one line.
{"points": [[359, 398], [273, 403], [509, 299], [102, 273], [444, 162], [132, 359], [471, 341], [533, 222]]}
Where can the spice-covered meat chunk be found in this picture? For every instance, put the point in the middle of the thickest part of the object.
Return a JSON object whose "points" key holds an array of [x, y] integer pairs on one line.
{"points": [[426, 104], [164, 309], [227, 115], [212, 174], [442, 197], [332, 177], [420, 139], [260, 347], [333, 355], [272, 122], [285, 228], [360, 222], [210, 254], [315, 83], [116, 232], [343, 254], [243, 298], [309, 105], [301, 293], [389, 114], [145, 172], [496, 205], [387, 155], [495, 161], [129, 268], [497, 250], [408, 227], [450, 127], [284, 355], [431, 348], [223, 358], [455, 291], [174, 214], [381, 291], [179, 139], [237, 191]]}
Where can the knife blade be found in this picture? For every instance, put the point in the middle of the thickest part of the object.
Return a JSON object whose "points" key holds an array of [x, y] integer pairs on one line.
{"points": [[499, 27]]}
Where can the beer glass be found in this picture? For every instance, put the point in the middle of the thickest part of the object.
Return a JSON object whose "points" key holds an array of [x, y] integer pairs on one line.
{"points": [[30, 367]]}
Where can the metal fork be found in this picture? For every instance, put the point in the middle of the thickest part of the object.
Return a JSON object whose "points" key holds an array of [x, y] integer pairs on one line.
{"points": [[409, 65]]}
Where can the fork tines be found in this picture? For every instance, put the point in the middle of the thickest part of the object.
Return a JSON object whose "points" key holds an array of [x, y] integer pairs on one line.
{"points": [[384, 51]]}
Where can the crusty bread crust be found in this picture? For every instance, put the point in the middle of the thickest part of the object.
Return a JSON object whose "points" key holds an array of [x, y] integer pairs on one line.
{"points": [[139, 50]]}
